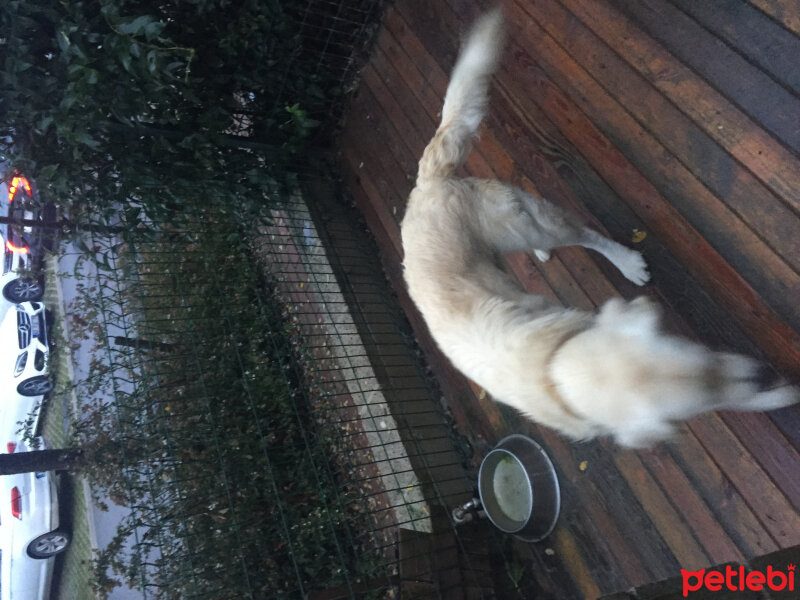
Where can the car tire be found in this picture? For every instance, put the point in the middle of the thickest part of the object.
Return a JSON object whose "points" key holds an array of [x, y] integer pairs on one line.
{"points": [[24, 289], [38, 385], [49, 544]]}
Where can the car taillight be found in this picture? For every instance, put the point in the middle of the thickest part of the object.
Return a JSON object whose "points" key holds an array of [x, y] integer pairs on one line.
{"points": [[16, 503], [11, 447], [16, 182], [13, 248]]}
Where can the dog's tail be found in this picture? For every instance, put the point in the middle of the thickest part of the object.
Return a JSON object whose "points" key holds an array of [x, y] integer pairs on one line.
{"points": [[465, 101]]}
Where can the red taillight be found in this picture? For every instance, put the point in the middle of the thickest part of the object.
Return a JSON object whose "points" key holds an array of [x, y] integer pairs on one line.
{"points": [[16, 182], [11, 447], [16, 503], [13, 248]]}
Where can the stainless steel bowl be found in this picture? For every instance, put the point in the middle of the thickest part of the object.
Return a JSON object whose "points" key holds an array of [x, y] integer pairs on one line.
{"points": [[518, 488]]}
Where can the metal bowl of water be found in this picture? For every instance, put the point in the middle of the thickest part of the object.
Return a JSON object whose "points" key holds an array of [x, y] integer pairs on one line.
{"points": [[519, 490]]}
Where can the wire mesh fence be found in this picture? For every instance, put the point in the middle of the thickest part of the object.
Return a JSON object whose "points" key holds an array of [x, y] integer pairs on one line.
{"points": [[327, 38], [254, 396], [275, 430]]}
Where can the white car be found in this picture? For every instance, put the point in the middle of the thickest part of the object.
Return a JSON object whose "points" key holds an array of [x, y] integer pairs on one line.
{"points": [[23, 244], [29, 532], [24, 358]]}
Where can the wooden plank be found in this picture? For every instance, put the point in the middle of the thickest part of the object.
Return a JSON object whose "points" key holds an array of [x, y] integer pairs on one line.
{"points": [[757, 93], [574, 302], [672, 279], [753, 34], [491, 412], [730, 508], [421, 75], [788, 421], [425, 78], [786, 12], [540, 160], [702, 193], [540, 46], [632, 544], [653, 504], [720, 280], [771, 507], [772, 451], [677, 533], [389, 151], [503, 165], [738, 134], [670, 525], [382, 173], [566, 547], [561, 275], [575, 278], [697, 514], [421, 128]]}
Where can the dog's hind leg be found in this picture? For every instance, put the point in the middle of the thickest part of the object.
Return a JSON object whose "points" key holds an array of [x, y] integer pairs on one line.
{"points": [[629, 262], [549, 227]]}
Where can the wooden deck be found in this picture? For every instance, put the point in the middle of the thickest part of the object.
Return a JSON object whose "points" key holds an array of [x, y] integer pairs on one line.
{"points": [[674, 118]]}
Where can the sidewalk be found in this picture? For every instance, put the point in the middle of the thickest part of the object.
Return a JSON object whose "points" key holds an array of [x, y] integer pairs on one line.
{"points": [[73, 570]]}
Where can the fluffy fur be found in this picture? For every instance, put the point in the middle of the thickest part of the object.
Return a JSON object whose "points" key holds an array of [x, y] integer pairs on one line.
{"points": [[611, 373]]}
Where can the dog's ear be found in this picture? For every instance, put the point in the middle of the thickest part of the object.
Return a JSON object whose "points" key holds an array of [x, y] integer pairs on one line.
{"points": [[640, 317]]}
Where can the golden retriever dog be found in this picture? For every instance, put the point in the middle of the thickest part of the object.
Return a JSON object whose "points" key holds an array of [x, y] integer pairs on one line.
{"points": [[584, 374]]}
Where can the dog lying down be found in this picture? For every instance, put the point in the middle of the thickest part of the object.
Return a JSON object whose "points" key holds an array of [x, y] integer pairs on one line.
{"points": [[584, 374]]}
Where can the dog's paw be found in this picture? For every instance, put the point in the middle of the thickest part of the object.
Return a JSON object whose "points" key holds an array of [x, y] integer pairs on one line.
{"points": [[644, 435], [634, 267], [542, 255]]}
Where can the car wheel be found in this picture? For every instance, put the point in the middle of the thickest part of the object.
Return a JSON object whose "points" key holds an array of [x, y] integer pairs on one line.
{"points": [[24, 289], [35, 386], [48, 544]]}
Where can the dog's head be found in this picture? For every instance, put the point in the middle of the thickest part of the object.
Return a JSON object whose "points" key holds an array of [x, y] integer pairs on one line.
{"points": [[638, 381]]}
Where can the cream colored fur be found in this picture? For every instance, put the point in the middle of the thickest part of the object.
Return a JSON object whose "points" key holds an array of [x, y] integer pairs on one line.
{"points": [[584, 374]]}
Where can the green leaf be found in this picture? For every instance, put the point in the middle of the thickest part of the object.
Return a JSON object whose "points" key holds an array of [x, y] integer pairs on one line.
{"points": [[47, 172], [44, 124], [135, 26], [63, 40], [153, 30], [84, 138]]}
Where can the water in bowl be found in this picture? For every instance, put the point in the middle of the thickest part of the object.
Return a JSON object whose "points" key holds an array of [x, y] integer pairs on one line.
{"points": [[511, 489]]}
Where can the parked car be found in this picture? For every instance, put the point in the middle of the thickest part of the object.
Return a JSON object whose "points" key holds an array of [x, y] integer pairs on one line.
{"points": [[23, 243], [24, 364], [30, 533]]}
